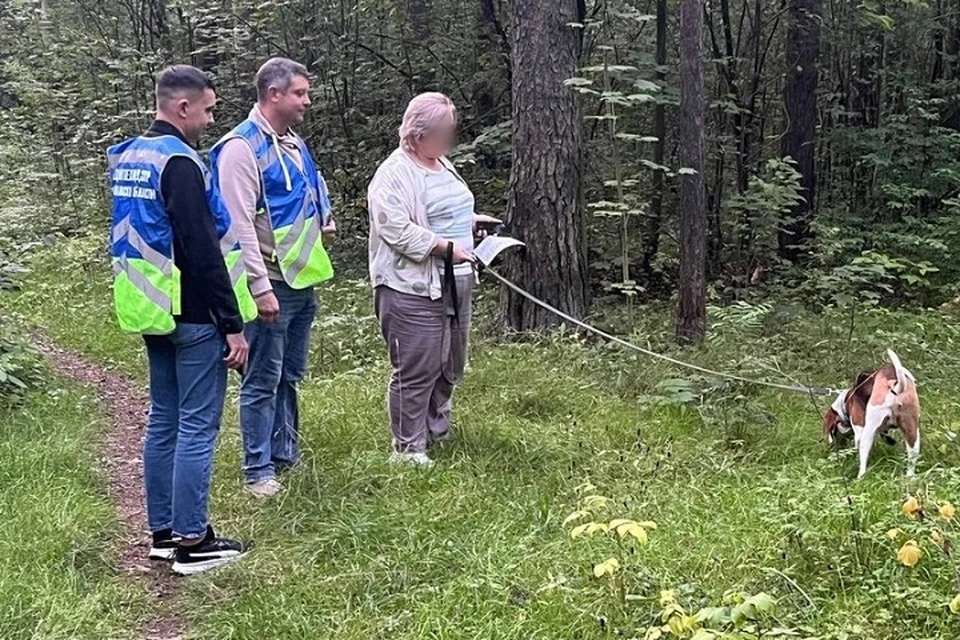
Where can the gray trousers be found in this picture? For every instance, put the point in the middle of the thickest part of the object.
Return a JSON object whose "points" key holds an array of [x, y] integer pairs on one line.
{"points": [[428, 353]]}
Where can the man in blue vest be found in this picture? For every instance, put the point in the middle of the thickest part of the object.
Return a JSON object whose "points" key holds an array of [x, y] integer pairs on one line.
{"points": [[172, 286], [266, 178]]}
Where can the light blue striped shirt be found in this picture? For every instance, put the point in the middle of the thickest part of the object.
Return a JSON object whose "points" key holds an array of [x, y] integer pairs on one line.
{"points": [[450, 206]]}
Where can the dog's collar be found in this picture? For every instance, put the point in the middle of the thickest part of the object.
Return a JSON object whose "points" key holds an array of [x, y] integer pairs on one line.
{"points": [[840, 406]]}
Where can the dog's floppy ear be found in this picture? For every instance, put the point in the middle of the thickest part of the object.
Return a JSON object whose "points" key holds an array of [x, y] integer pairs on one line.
{"points": [[830, 420]]}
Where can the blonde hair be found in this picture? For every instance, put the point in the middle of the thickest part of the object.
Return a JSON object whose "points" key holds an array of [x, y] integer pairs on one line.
{"points": [[422, 114]]}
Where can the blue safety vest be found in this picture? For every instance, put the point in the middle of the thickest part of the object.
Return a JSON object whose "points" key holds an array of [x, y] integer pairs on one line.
{"points": [[295, 201], [146, 287]]}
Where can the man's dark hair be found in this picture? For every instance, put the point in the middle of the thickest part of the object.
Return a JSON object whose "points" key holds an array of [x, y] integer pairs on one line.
{"points": [[173, 82]]}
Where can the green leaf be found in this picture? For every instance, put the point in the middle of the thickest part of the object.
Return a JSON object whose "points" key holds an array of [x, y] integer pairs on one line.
{"points": [[646, 86], [713, 616], [653, 165], [763, 602]]}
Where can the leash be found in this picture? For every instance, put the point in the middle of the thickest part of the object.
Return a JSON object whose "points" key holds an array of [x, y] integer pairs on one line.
{"points": [[810, 391]]}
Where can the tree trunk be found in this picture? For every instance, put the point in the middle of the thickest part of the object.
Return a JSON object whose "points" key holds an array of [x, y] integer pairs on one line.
{"points": [[418, 12], [938, 48], [799, 140], [651, 230], [691, 311], [544, 208], [418, 57]]}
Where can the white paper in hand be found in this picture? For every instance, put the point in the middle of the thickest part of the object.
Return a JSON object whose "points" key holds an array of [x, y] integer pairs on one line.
{"points": [[491, 246]]}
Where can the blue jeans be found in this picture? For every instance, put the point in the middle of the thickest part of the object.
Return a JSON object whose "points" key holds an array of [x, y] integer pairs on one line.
{"points": [[188, 382], [269, 416]]}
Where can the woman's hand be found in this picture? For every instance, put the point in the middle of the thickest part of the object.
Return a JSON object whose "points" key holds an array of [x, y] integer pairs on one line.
{"points": [[461, 255], [481, 224]]}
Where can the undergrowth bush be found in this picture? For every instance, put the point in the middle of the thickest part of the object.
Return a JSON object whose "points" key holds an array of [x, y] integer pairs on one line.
{"points": [[19, 364]]}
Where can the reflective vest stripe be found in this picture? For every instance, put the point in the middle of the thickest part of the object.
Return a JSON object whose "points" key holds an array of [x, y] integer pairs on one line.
{"points": [[291, 234], [125, 230], [305, 249], [143, 284], [266, 158], [140, 156], [236, 270], [228, 243]]}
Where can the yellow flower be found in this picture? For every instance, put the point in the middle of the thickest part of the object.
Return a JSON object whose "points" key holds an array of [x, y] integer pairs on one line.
{"points": [[668, 597], [911, 508], [909, 554], [955, 604], [947, 511], [893, 534]]}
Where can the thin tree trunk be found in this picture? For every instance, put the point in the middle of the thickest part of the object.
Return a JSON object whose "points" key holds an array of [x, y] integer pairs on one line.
{"points": [[799, 139], [691, 311], [651, 230], [544, 208], [936, 74], [418, 13]]}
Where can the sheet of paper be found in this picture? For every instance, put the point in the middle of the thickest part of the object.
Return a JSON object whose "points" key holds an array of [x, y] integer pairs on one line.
{"points": [[491, 246]]}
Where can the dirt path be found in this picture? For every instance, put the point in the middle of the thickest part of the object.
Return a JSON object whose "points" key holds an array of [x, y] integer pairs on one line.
{"points": [[120, 458]]}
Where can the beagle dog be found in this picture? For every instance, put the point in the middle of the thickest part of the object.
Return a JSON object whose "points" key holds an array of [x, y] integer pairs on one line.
{"points": [[878, 401]]}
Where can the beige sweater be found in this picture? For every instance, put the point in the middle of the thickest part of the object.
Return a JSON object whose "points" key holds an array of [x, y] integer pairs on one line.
{"points": [[400, 235], [239, 182]]}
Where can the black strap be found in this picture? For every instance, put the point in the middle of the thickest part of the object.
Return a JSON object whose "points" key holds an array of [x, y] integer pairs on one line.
{"points": [[450, 283]]}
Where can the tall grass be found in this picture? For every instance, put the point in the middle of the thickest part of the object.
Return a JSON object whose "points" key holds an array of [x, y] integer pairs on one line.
{"points": [[744, 493]]}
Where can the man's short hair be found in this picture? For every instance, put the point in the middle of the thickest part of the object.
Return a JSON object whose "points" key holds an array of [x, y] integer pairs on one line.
{"points": [[278, 73], [173, 82]]}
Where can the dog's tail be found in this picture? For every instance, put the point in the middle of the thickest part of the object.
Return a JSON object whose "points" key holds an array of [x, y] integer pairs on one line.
{"points": [[902, 373]]}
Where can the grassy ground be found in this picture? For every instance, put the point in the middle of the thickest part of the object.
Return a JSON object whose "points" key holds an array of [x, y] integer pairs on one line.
{"points": [[745, 495], [56, 579]]}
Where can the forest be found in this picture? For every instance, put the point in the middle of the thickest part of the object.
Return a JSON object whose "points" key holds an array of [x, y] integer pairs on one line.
{"points": [[768, 189]]}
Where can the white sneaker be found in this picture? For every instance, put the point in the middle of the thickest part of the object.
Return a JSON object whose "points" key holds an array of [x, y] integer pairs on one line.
{"points": [[419, 459], [263, 488]]}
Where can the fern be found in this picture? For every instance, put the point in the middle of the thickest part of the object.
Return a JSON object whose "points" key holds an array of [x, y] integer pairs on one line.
{"points": [[738, 321]]}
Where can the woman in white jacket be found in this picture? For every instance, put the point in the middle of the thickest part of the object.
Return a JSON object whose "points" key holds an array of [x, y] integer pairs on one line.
{"points": [[422, 223]]}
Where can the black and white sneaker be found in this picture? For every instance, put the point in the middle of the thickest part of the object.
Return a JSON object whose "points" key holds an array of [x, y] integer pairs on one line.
{"points": [[164, 546], [209, 554]]}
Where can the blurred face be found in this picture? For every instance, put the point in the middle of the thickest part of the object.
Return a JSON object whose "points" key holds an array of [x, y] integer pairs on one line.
{"points": [[194, 113], [439, 139], [291, 105]]}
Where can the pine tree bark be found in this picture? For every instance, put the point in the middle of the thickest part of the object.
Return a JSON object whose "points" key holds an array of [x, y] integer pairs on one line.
{"points": [[799, 139], [691, 310], [544, 207]]}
